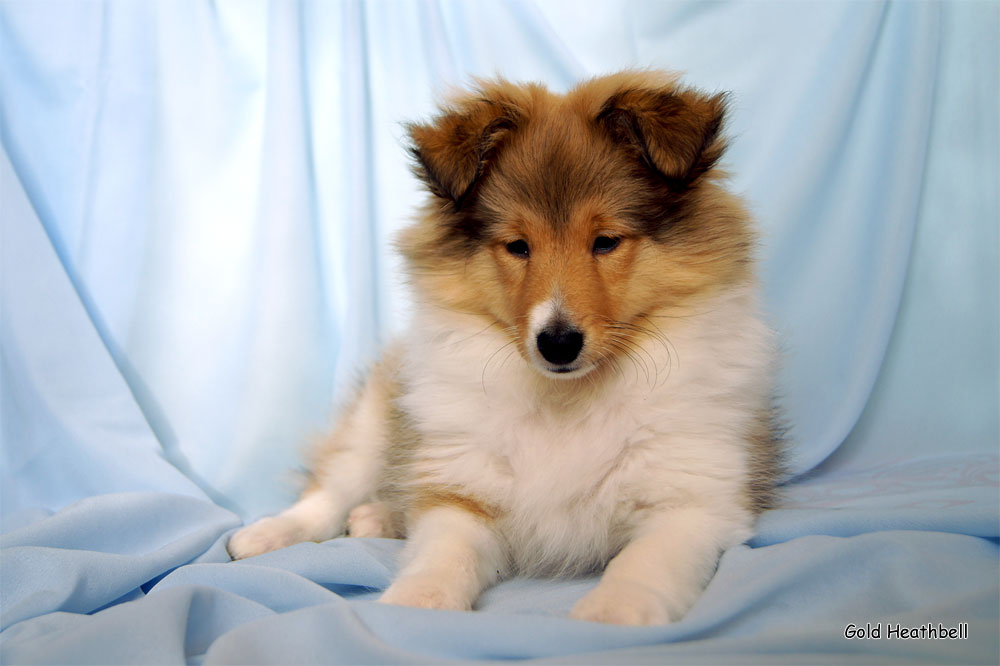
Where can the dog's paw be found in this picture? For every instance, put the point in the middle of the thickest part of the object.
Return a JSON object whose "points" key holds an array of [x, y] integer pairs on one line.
{"points": [[621, 602], [425, 591], [263, 536], [370, 520]]}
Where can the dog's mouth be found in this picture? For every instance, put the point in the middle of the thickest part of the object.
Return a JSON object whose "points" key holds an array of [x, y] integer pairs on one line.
{"points": [[568, 372], [571, 371]]}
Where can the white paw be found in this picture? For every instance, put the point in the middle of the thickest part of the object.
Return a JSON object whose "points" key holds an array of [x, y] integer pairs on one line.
{"points": [[425, 591], [621, 602], [263, 536], [370, 520]]}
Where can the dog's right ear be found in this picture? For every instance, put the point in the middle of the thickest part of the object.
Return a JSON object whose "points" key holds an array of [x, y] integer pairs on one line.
{"points": [[452, 151]]}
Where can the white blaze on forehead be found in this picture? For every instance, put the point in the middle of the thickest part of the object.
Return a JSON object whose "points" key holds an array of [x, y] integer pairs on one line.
{"points": [[543, 314]]}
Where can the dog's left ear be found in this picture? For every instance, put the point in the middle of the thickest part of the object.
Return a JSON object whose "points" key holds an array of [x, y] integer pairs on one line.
{"points": [[675, 132]]}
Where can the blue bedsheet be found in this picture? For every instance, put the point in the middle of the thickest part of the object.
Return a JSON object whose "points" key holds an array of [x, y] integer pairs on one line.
{"points": [[145, 578], [196, 201]]}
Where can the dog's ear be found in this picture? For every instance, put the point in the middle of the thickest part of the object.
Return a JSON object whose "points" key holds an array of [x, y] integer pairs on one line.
{"points": [[675, 132], [453, 150]]}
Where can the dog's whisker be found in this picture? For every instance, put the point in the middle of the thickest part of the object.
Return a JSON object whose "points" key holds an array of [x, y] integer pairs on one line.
{"points": [[486, 365], [637, 352], [476, 334], [657, 335], [671, 355], [628, 354]]}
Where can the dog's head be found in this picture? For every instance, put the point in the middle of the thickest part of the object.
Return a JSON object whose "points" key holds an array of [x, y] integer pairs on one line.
{"points": [[571, 220]]}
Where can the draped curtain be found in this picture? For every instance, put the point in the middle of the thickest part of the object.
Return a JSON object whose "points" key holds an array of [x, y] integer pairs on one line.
{"points": [[199, 201]]}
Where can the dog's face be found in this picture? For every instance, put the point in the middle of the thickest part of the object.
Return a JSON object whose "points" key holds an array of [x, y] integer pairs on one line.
{"points": [[572, 221]]}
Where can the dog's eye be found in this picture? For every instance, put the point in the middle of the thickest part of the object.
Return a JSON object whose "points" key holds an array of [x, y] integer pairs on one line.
{"points": [[518, 248], [605, 244]]}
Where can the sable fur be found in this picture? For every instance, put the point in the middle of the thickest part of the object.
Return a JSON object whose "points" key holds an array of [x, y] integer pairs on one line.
{"points": [[652, 449]]}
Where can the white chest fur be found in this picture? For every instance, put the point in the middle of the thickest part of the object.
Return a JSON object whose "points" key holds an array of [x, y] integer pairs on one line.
{"points": [[570, 467]]}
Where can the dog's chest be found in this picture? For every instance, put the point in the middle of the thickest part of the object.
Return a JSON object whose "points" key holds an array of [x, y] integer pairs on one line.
{"points": [[564, 459], [574, 485], [565, 482]]}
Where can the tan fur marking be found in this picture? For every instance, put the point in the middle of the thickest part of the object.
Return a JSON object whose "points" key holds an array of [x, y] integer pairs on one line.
{"points": [[766, 461], [379, 385], [429, 497]]}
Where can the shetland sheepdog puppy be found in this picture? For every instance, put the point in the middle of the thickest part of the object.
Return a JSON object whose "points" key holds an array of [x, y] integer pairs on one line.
{"points": [[587, 381]]}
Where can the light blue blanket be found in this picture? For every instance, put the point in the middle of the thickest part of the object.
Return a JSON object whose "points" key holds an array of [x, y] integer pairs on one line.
{"points": [[145, 578], [196, 201]]}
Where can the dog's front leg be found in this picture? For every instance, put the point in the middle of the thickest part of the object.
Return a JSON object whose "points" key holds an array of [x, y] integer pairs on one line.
{"points": [[452, 555], [660, 573]]}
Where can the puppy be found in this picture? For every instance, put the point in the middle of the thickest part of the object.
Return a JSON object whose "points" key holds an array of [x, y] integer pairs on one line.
{"points": [[587, 381]]}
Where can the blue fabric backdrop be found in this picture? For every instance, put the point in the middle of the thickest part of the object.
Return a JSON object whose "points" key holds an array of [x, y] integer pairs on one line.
{"points": [[197, 205]]}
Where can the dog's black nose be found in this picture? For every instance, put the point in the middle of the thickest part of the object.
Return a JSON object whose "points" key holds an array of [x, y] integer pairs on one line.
{"points": [[560, 344]]}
